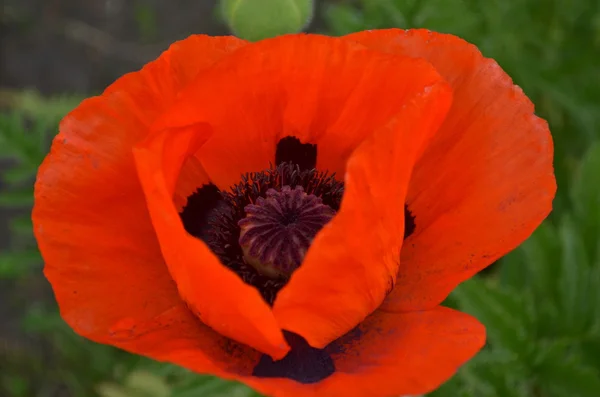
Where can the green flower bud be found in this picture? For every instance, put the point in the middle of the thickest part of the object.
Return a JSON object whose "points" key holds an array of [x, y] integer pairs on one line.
{"points": [[260, 19]]}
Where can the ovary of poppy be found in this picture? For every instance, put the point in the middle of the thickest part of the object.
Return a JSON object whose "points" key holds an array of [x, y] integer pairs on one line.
{"points": [[444, 168]]}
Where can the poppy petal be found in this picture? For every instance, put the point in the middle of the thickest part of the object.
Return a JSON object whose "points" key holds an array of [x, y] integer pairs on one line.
{"points": [[353, 261], [485, 182], [390, 354], [216, 294], [177, 336], [90, 217], [270, 90], [191, 177]]}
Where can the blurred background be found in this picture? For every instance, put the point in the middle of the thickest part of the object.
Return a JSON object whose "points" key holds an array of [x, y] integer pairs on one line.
{"points": [[541, 303]]}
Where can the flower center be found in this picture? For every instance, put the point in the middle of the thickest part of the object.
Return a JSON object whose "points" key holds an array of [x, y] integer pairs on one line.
{"points": [[279, 228], [262, 226]]}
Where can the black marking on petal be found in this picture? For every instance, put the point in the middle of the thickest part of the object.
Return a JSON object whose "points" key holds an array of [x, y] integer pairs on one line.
{"points": [[196, 215], [409, 222], [343, 345], [304, 363], [291, 150]]}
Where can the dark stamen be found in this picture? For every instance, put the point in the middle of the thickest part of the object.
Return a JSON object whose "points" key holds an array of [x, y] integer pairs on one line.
{"points": [[198, 210], [291, 150], [409, 222]]}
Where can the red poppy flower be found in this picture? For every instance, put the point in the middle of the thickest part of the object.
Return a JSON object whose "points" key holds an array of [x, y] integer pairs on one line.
{"points": [[291, 213]]}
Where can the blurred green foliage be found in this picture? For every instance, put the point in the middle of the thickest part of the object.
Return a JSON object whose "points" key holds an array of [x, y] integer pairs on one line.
{"points": [[540, 304], [145, 19]]}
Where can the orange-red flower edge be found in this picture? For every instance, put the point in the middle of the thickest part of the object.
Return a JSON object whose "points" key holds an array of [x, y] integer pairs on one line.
{"points": [[445, 169]]}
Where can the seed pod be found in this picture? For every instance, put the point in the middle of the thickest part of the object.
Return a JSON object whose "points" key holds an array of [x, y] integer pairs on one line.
{"points": [[260, 19]]}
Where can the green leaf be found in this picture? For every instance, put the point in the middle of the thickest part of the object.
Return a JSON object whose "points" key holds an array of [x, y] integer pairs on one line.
{"points": [[585, 194], [214, 387], [15, 385], [574, 282], [20, 263], [590, 349], [17, 197], [533, 267], [114, 390], [147, 384], [22, 225], [19, 173], [497, 374], [551, 350], [491, 373], [48, 111], [453, 388], [506, 314], [21, 143], [569, 379], [513, 270], [594, 282], [542, 258], [343, 19], [145, 18]]}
